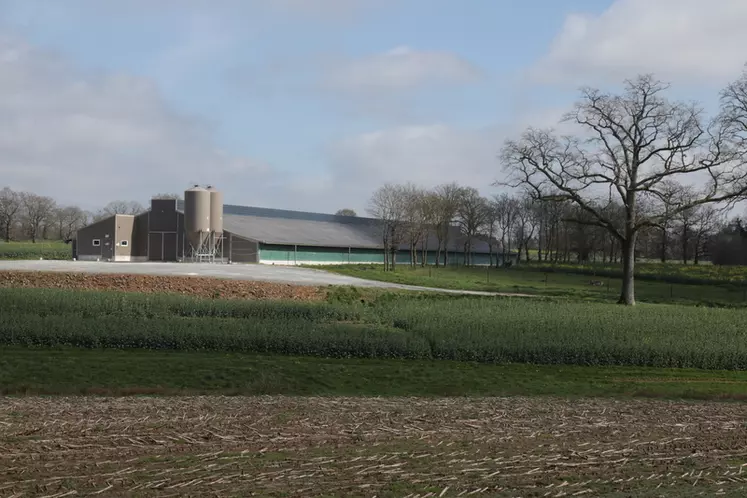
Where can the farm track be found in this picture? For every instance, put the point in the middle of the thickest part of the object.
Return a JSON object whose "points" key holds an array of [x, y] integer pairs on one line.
{"points": [[185, 285], [237, 446], [287, 275]]}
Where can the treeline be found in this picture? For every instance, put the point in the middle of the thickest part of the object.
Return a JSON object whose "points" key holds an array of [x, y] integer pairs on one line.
{"points": [[26, 216], [543, 231]]}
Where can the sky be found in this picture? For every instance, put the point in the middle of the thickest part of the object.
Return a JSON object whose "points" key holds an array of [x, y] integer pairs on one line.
{"points": [[313, 104]]}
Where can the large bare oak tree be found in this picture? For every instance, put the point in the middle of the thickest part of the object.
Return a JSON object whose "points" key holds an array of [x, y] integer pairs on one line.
{"points": [[636, 149]]}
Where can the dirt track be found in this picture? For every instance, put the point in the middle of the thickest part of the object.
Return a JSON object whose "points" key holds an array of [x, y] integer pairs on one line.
{"points": [[213, 446], [195, 286]]}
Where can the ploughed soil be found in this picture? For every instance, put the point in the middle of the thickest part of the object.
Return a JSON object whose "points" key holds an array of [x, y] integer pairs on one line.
{"points": [[186, 285], [281, 446]]}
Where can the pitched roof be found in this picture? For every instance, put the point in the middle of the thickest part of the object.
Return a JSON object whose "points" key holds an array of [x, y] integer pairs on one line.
{"points": [[283, 227]]}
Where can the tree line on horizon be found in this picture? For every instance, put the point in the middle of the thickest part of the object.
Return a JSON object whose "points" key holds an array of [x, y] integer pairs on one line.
{"points": [[542, 231]]}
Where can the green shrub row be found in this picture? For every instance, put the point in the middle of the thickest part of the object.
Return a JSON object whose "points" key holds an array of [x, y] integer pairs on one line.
{"points": [[465, 329]]}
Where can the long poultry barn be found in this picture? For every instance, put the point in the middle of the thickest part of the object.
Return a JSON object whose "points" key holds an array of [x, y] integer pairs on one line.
{"points": [[202, 228]]}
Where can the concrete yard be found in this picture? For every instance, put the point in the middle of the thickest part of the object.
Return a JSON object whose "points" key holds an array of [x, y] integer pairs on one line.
{"points": [[263, 273]]}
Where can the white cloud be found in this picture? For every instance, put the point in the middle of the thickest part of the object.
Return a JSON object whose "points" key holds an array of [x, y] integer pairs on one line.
{"points": [[684, 40], [426, 155], [88, 138], [400, 69]]}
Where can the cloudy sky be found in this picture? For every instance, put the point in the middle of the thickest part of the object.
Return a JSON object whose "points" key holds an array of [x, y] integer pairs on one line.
{"points": [[312, 104]]}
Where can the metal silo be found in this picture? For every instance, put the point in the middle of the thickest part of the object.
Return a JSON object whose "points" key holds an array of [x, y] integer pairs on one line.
{"points": [[216, 211], [197, 217]]}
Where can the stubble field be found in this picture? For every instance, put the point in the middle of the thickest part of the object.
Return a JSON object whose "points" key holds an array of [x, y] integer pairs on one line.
{"points": [[281, 446]]}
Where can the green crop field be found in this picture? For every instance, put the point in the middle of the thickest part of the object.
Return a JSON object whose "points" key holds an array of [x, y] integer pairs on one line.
{"points": [[668, 284], [29, 250], [394, 326], [130, 372]]}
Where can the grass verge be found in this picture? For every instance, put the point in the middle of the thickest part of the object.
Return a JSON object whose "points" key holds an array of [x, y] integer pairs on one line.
{"points": [[112, 372], [57, 250], [563, 282]]}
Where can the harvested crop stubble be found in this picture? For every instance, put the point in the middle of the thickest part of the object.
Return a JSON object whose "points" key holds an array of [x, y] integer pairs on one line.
{"points": [[192, 286], [280, 446]]}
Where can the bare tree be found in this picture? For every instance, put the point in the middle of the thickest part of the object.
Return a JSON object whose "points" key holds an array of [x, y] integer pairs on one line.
{"points": [[489, 231], [69, 220], [526, 224], [507, 208], [388, 206], [472, 213], [345, 212], [445, 213], [178, 197], [415, 217], [705, 224], [10, 209], [429, 206], [635, 143], [123, 207], [37, 212]]}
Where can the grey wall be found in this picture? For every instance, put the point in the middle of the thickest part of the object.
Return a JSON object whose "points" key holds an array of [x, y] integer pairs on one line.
{"points": [[104, 232], [164, 231], [239, 249]]}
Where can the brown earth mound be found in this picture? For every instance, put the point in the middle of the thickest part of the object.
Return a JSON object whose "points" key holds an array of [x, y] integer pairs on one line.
{"points": [[193, 286]]}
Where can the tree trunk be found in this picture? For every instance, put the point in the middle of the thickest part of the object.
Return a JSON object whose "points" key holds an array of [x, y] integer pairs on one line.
{"points": [[539, 243], [386, 253], [627, 294], [446, 251]]}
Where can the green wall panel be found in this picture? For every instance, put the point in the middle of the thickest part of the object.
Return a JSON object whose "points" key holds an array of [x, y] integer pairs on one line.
{"points": [[283, 254]]}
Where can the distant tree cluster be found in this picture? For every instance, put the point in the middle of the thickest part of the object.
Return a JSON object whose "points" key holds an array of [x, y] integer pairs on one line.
{"points": [[542, 231], [30, 217], [412, 216], [346, 212]]}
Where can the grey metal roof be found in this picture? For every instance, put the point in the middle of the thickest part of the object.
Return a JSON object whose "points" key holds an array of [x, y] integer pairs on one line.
{"points": [[274, 226]]}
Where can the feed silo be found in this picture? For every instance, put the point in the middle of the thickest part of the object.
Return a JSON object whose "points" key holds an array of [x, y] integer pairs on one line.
{"points": [[197, 218], [216, 220], [216, 211]]}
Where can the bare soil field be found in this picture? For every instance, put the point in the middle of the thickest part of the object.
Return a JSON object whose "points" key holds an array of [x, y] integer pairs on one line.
{"points": [[185, 285], [279, 446]]}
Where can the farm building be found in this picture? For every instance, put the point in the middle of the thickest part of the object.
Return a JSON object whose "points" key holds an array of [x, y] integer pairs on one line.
{"points": [[171, 231]]}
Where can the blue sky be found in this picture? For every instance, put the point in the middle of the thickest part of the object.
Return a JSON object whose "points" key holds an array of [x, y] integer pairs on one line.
{"points": [[311, 104]]}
